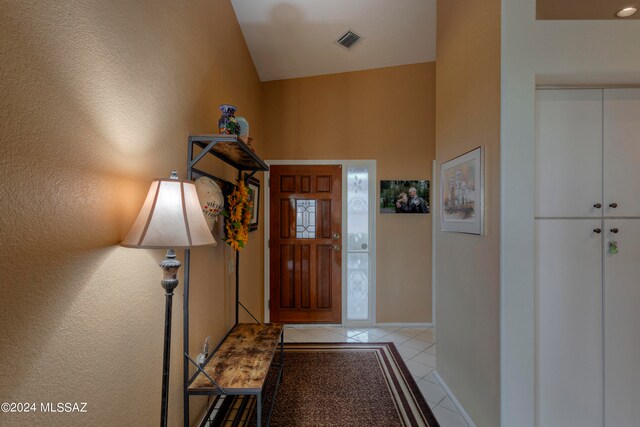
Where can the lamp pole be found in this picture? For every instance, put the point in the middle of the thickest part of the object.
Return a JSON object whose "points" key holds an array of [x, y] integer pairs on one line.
{"points": [[170, 266]]}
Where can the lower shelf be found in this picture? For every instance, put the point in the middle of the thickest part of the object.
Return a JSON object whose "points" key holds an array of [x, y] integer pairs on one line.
{"points": [[241, 410]]}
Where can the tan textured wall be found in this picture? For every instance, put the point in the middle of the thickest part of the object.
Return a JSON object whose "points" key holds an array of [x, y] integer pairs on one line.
{"points": [[96, 99], [384, 114], [468, 266]]}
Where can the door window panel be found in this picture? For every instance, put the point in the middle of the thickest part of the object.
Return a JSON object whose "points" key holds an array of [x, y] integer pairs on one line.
{"points": [[305, 219]]}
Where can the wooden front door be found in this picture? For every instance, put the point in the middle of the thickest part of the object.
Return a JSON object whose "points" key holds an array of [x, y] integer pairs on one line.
{"points": [[305, 248]]}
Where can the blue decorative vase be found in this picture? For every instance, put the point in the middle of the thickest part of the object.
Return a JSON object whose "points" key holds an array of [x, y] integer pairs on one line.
{"points": [[227, 124]]}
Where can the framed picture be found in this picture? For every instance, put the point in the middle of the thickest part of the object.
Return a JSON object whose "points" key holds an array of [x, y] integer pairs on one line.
{"points": [[254, 195], [403, 196], [462, 193]]}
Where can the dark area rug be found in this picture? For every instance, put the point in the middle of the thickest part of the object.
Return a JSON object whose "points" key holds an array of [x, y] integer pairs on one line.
{"points": [[343, 384]]}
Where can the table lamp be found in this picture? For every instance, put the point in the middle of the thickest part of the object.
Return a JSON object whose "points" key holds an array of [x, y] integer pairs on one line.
{"points": [[171, 218]]}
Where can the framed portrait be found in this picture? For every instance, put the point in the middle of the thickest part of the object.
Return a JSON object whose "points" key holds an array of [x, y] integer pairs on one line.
{"points": [[462, 193], [253, 184], [405, 196]]}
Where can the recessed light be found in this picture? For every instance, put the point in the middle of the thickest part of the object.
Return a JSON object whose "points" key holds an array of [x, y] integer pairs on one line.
{"points": [[626, 12]]}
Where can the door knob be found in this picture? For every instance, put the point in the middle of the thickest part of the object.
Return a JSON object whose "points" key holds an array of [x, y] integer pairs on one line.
{"points": [[597, 205], [336, 236], [597, 230], [613, 205], [336, 248], [614, 230]]}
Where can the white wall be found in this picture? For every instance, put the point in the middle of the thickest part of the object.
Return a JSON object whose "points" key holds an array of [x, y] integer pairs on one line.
{"points": [[547, 53]]}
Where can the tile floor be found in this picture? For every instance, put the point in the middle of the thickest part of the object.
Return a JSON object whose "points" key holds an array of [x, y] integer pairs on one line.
{"points": [[417, 347]]}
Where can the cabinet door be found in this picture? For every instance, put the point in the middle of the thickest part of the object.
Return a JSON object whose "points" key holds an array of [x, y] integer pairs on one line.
{"points": [[621, 152], [568, 316], [622, 324], [568, 153]]}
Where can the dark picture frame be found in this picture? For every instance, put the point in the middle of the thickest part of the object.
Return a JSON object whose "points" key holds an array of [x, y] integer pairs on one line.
{"points": [[394, 196], [253, 184]]}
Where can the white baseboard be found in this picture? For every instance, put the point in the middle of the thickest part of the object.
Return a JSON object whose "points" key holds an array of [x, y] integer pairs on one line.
{"points": [[453, 398], [405, 325]]}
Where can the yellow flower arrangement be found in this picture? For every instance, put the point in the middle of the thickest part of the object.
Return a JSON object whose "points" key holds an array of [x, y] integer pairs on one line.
{"points": [[239, 216]]}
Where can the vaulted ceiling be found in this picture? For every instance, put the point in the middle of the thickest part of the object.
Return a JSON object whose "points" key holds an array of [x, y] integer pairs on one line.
{"points": [[298, 38]]}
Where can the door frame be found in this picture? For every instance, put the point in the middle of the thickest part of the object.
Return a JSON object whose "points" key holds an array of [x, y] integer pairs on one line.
{"points": [[345, 164]]}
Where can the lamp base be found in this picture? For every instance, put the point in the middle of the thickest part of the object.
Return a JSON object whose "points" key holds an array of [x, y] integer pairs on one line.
{"points": [[170, 266]]}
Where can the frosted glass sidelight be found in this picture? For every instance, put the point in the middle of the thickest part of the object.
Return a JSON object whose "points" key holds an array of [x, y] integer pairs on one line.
{"points": [[305, 219], [358, 209], [358, 244], [358, 286]]}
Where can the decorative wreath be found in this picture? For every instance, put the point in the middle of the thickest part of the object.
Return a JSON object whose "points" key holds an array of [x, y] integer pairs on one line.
{"points": [[238, 216]]}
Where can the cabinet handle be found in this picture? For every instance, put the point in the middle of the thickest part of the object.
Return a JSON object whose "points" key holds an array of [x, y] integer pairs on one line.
{"points": [[597, 230], [614, 230], [613, 205], [597, 205]]}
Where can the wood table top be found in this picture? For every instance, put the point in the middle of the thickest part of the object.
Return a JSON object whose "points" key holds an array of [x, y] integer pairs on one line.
{"points": [[242, 360]]}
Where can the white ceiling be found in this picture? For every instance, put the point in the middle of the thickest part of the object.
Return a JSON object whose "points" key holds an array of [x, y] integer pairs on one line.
{"points": [[297, 38]]}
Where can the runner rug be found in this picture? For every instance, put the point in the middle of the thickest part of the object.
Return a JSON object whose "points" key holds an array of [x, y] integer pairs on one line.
{"points": [[342, 384]]}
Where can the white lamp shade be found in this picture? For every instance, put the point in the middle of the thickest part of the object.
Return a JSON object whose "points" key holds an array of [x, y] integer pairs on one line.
{"points": [[171, 217]]}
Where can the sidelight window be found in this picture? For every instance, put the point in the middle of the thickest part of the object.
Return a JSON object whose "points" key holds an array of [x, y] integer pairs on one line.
{"points": [[358, 245]]}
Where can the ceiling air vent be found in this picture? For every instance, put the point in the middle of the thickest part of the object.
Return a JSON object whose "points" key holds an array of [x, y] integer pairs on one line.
{"points": [[348, 39]]}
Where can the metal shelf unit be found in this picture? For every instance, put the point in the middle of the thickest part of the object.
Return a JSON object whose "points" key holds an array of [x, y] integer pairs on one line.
{"points": [[235, 152]]}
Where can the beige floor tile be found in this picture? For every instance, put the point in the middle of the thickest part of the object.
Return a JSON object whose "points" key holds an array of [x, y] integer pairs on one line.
{"points": [[407, 332], [426, 336], [447, 418], [333, 337], [407, 353], [421, 328], [354, 332], [417, 344], [426, 359], [432, 378], [432, 392], [418, 370], [365, 338], [376, 332], [448, 403], [300, 337], [395, 338]]}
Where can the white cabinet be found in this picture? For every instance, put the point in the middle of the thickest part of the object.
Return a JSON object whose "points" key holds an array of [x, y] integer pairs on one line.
{"points": [[621, 152], [622, 323], [568, 150], [587, 299], [568, 323]]}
